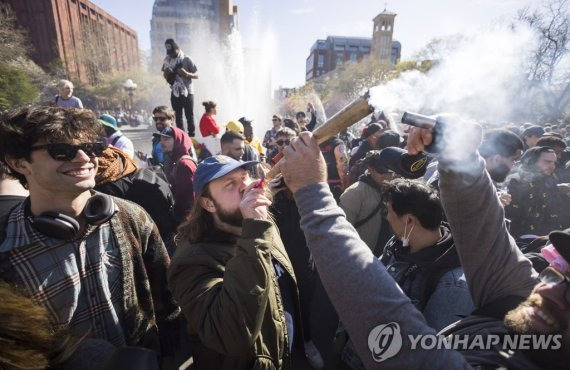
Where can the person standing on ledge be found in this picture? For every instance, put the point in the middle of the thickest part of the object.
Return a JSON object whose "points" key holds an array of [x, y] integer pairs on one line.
{"points": [[179, 71]]}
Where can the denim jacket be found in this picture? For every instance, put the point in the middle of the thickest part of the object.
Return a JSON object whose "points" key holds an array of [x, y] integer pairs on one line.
{"points": [[432, 278]]}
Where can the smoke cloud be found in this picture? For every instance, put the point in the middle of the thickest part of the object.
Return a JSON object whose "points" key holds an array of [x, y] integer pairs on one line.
{"points": [[479, 76]]}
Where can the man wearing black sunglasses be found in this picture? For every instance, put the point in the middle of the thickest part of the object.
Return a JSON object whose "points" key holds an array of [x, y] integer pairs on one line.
{"points": [[163, 117], [283, 138], [97, 263]]}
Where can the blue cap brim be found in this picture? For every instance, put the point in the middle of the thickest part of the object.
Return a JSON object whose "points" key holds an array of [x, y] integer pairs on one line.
{"points": [[225, 171]]}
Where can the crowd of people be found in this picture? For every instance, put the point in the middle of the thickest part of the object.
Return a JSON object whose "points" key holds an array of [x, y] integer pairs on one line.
{"points": [[197, 255]]}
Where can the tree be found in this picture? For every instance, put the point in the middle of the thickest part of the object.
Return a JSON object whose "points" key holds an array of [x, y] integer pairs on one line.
{"points": [[108, 92], [334, 90], [15, 87], [549, 75], [13, 41], [21, 80]]}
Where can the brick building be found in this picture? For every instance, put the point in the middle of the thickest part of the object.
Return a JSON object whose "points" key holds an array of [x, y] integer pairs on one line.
{"points": [[85, 39], [327, 55]]}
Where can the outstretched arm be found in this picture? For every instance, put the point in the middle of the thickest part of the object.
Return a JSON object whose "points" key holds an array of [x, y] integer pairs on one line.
{"points": [[363, 293], [493, 264]]}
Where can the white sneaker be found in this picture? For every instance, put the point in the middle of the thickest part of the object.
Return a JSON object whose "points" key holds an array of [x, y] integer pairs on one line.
{"points": [[314, 356]]}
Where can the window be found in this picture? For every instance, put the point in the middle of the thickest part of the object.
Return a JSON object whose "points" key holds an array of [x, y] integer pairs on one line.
{"points": [[339, 47], [353, 48], [353, 57], [310, 61], [321, 61], [339, 59], [365, 49]]}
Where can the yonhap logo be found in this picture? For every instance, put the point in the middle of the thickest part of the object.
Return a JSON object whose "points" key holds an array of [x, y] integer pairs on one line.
{"points": [[385, 341]]}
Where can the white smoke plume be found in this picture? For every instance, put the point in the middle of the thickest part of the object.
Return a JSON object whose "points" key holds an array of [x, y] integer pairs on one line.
{"points": [[478, 76]]}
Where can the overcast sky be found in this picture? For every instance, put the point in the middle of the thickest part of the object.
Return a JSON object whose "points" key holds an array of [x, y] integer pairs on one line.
{"points": [[297, 24]]}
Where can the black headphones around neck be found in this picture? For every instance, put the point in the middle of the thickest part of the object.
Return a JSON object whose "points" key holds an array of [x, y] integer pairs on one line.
{"points": [[98, 210]]}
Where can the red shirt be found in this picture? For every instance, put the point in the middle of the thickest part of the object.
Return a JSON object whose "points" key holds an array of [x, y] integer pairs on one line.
{"points": [[208, 126]]}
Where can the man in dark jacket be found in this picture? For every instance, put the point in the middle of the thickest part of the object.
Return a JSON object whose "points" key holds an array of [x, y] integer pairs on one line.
{"points": [[231, 275], [537, 206], [370, 135], [119, 176]]}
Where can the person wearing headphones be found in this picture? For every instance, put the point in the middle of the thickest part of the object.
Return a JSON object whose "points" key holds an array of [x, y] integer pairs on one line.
{"points": [[95, 262]]}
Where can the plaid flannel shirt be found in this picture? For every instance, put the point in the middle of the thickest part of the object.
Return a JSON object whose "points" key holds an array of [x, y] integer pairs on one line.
{"points": [[79, 283], [127, 248]]}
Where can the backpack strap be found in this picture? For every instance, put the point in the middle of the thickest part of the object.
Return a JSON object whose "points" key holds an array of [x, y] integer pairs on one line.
{"points": [[183, 158], [369, 217], [115, 140], [56, 99]]}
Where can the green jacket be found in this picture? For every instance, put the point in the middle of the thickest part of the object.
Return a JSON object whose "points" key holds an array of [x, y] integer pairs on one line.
{"points": [[230, 296]]}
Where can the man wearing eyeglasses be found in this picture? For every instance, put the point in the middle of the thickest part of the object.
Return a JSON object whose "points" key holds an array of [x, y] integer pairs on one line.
{"points": [[163, 117], [283, 138], [269, 138], [97, 263]]}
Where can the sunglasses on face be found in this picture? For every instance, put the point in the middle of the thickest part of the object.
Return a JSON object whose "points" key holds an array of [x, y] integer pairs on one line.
{"points": [[281, 142], [66, 152], [162, 119], [550, 276]]}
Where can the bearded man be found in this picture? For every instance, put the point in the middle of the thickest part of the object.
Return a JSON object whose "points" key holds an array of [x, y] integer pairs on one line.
{"points": [[231, 275]]}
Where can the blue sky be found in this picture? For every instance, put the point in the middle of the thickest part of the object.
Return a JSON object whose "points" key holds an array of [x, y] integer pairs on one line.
{"points": [[297, 24]]}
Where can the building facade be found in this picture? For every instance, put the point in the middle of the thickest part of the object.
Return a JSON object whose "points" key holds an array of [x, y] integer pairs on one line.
{"points": [[183, 20], [382, 34], [327, 55], [83, 38]]}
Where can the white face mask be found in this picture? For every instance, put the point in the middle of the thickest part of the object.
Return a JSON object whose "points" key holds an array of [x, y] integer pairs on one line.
{"points": [[406, 236]]}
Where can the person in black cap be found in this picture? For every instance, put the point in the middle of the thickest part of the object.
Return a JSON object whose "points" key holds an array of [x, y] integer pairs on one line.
{"points": [[362, 203], [231, 274], [370, 135], [179, 71], [537, 205]]}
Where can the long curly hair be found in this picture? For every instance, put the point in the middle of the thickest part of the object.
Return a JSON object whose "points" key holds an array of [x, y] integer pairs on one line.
{"points": [[27, 339]]}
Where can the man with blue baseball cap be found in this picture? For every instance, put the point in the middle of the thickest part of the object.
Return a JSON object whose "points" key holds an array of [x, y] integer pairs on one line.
{"points": [[232, 276]]}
